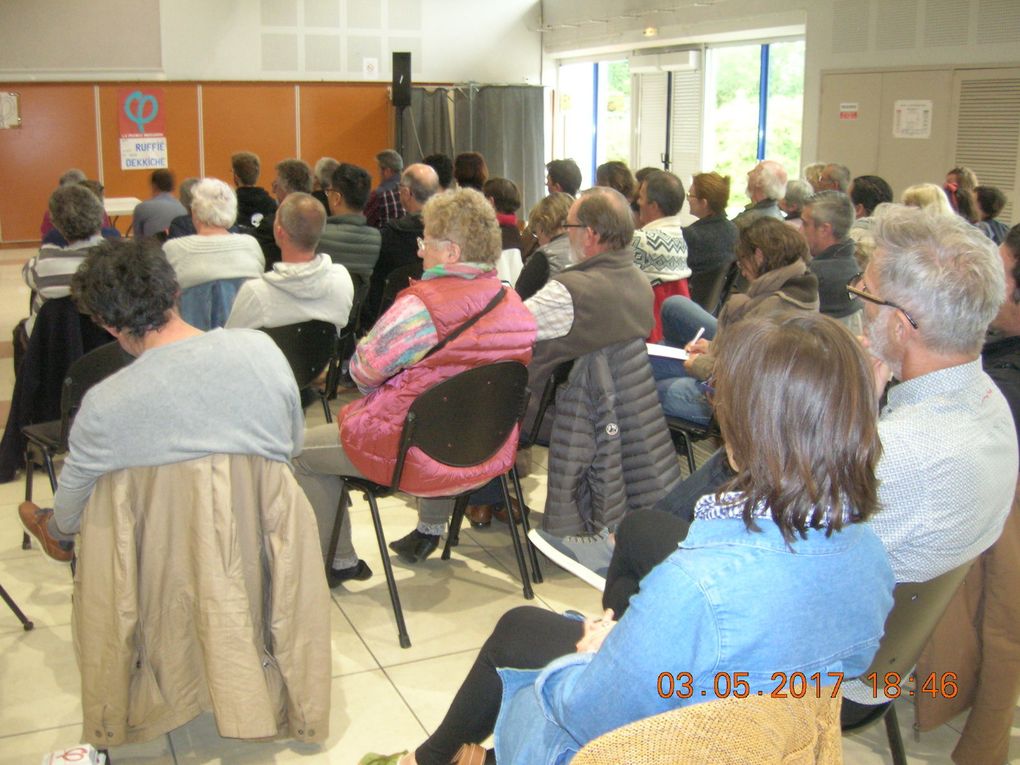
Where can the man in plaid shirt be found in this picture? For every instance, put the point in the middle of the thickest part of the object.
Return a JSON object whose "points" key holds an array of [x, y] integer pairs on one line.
{"points": [[384, 202]]}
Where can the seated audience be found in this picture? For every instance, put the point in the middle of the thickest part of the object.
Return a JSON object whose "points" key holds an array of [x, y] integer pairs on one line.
{"points": [[961, 183], [505, 198], [213, 253], [828, 216], [616, 175], [990, 201], [766, 185], [154, 215], [547, 222], [77, 214], [399, 243], [231, 392], [660, 250], [404, 354], [712, 238], [252, 200], [470, 170], [70, 178], [108, 231], [772, 257], [303, 286], [384, 203], [183, 225], [443, 166], [563, 175], [347, 238], [927, 196], [948, 441], [291, 175], [321, 178], [797, 193], [792, 516]]}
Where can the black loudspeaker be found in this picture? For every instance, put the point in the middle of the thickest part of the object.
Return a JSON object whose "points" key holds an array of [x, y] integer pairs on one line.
{"points": [[401, 79]]}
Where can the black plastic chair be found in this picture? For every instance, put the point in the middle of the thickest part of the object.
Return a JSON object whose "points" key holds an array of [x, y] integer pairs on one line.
{"points": [[47, 440], [309, 347], [917, 608], [707, 286], [686, 432], [345, 344], [728, 285], [462, 421]]}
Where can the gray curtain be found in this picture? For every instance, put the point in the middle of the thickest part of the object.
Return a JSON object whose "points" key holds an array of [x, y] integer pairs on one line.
{"points": [[503, 123]]}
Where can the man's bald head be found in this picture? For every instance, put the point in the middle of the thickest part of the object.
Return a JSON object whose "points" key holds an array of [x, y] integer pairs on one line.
{"points": [[418, 183]]}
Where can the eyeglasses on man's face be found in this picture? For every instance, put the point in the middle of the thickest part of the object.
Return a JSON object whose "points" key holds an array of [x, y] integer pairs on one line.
{"points": [[856, 288]]}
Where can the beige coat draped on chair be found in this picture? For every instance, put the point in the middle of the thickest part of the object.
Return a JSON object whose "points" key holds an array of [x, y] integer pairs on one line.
{"points": [[200, 586]]}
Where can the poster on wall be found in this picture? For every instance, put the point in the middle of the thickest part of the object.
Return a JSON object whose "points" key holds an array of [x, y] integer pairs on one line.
{"points": [[912, 119], [142, 129]]}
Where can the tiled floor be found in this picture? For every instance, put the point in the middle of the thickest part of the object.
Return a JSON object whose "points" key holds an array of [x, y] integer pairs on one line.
{"points": [[384, 698]]}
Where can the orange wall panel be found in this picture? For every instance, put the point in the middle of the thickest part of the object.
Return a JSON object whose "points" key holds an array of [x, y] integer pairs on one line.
{"points": [[58, 132], [256, 117], [180, 109], [345, 121]]}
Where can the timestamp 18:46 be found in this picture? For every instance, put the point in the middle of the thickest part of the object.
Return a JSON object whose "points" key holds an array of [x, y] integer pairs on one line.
{"points": [[935, 684]]}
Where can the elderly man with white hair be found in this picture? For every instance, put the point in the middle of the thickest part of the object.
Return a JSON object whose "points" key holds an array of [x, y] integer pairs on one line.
{"points": [[213, 253], [766, 185]]}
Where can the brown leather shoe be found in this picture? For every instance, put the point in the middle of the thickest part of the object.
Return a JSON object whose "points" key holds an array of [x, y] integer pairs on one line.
{"points": [[34, 519], [501, 515], [479, 515], [469, 754]]}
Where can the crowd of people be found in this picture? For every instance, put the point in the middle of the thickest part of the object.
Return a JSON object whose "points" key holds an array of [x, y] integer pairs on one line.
{"points": [[863, 372]]}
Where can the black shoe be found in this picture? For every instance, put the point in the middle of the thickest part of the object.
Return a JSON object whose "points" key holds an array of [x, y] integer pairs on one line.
{"points": [[415, 546], [360, 572]]}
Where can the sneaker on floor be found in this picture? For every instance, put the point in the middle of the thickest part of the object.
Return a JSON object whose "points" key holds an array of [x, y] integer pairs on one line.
{"points": [[35, 520], [586, 556], [415, 546]]}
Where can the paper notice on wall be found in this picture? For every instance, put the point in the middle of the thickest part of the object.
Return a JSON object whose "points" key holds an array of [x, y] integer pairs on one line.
{"points": [[848, 111], [912, 119], [142, 124]]}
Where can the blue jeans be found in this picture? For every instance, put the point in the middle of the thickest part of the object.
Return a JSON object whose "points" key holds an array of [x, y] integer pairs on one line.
{"points": [[680, 395]]}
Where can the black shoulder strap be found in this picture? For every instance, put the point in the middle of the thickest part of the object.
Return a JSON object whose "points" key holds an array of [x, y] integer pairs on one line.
{"points": [[467, 324]]}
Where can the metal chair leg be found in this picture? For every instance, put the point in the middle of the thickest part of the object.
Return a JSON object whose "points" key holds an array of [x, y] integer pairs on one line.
{"points": [[536, 571], [391, 583], [453, 534], [17, 611], [689, 451], [892, 730], [522, 566]]}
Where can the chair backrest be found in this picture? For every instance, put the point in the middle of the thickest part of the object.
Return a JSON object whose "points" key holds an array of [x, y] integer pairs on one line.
{"points": [[308, 347], [398, 280], [728, 731], [556, 379], [707, 286], [917, 608], [90, 369], [729, 283], [465, 420], [207, 305]]}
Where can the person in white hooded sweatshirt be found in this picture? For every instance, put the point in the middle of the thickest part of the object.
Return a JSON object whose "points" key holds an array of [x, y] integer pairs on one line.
{"points": [[304, 285]]}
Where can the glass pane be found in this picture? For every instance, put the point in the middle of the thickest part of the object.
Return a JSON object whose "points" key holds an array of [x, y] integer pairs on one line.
{"points": [[786, 105], [731, 127], [614, 112], [576, 124]]}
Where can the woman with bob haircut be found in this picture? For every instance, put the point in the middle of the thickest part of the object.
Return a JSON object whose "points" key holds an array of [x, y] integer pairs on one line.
{"points": [[773, 257], [928, 196], [778, 573], [712, 238], [547, 222], [414, 345], [470, 170], [213, 253]]}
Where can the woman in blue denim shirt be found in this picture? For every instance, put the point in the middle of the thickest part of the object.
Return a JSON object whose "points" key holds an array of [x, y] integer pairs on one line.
{"points": [[777, 575]]}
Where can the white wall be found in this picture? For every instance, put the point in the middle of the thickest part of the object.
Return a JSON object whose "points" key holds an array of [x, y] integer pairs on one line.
{"points": [[450, 40]]}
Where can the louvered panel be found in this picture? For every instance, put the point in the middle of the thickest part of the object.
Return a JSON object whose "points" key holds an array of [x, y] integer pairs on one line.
{"points": [[685, 126], [988, 133], [649, 120]]}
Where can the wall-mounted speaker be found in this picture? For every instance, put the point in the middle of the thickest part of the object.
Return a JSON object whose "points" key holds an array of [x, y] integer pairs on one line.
{"points": [[401, 79]]}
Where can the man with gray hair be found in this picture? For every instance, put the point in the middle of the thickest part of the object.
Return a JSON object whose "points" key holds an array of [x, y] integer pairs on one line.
{"points": [[385, 203], [292, 175], [766, 185], [399, 244], [304, 285], [827, 217], [834, 177], [949, 448]]}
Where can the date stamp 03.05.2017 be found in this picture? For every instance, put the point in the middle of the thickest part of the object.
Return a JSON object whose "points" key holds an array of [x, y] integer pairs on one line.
{"points": [[797, 685]]}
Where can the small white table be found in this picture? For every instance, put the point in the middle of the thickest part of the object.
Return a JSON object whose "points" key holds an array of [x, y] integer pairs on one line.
{"points": [[117, 206]]}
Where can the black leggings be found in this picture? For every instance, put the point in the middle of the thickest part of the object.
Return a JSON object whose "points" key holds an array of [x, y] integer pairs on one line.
{"points": [[644, 539], [524, 638]]}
